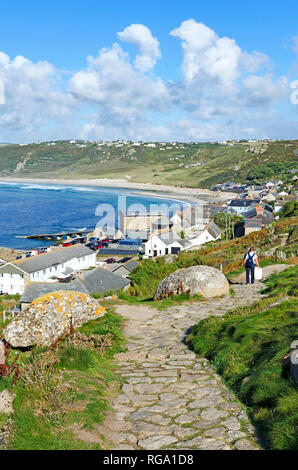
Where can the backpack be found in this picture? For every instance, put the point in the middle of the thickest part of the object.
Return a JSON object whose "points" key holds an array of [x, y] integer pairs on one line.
{"points": [[250, 260]]}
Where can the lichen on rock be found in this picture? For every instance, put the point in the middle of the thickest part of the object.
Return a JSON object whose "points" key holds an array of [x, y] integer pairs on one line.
{"points": [[51, 316]]}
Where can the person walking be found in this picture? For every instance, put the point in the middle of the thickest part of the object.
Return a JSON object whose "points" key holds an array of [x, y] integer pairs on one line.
{"points": [[250, 261]]}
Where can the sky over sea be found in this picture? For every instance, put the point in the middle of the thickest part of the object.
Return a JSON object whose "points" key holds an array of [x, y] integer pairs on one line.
{"points": [[156, 71]]}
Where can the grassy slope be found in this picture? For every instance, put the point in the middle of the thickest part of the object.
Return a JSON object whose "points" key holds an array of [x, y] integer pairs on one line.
{"points": [[59, 388], [246, 348], [218, 162]]}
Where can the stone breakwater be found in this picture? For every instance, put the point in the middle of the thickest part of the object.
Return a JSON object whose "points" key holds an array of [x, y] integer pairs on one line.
{"points": [[173, 399], [50, 317]]}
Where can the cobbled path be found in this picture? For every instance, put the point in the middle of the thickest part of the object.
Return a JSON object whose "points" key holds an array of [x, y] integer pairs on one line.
{"points": [[172, 399]]}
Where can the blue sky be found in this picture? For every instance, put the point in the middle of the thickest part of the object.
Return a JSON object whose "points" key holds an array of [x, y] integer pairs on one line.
{"points": [[170, 70]]}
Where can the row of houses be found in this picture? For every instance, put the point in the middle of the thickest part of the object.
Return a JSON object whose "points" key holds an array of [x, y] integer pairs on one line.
{"points": [[70, 268], [169, 242]]}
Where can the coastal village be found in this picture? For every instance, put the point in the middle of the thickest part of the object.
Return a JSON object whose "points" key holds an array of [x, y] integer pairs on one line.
{"points": [[148, 232], [93, 262], [115, 337], [137, 298]]}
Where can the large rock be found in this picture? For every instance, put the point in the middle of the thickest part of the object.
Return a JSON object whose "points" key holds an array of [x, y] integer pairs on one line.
{"points": [[50, 317], [201, 280]]}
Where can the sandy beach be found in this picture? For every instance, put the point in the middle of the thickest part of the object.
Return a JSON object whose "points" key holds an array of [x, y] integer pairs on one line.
{"points": [[194, 195]]}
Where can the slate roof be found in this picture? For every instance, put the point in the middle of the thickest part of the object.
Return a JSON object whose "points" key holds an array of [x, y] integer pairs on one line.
{"points": [[38, 289], [117, 252], [213, 229], [243, 202], [122, 271], [97, 280], [185, 243], [258, 220], [131, 265], [169, 237], [10, 269], [112, 266], [101, 280], [266, 216], [53, 258]]}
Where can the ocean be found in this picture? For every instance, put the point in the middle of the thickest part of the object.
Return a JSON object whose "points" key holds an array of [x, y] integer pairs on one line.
{"points": [[27, 209]]}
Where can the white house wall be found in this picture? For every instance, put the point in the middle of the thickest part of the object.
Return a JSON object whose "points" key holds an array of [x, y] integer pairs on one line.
{"points": [[75, 264], [155, 244], [12, 283], [205, 237], [15, 283]]}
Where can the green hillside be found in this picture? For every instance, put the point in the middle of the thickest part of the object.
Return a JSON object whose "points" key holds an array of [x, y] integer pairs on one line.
{"points": [[186, 164]]}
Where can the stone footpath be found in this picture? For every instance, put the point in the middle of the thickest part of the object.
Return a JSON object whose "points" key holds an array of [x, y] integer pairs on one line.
{"points": [[171, 398]]}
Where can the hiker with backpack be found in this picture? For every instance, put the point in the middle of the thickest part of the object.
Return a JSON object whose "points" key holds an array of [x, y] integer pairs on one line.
{"points": [[250, 262]]}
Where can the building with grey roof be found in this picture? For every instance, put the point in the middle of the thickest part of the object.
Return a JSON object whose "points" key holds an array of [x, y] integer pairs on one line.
{"points": [[131, 264], [101, 281], [55, 264], [54, 258], [163, 244], [97, 280], [214, 230]]}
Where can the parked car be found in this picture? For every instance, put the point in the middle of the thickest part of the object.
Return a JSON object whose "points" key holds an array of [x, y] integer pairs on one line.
{"points": [[110, 260]]}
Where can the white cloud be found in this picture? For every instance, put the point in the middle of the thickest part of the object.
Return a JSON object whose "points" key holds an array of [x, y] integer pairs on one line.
{"points": [[123, 95], [225, 92], [206, 56], [263, 91], [252, 62], [147, 45], [32, 96]]}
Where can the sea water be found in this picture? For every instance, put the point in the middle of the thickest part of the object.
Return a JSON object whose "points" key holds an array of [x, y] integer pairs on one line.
{"points": [[28, 209]]}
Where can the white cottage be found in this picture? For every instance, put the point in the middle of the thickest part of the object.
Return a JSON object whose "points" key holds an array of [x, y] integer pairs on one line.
{"points": [[164, 244], [211, 233], [14, 276]]}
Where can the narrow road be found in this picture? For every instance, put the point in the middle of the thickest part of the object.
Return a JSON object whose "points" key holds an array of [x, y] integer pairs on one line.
{"points": [[171, 398]]}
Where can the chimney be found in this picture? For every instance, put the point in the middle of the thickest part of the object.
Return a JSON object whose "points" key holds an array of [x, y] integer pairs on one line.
{"points": [[259, 209]]}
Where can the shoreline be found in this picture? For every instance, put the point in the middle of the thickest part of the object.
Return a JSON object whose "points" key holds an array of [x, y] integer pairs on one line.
{"points": [[194, 195]]}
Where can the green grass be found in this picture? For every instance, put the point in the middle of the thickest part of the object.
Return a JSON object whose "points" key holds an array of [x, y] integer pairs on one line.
{"points": [[69, 385], [160, 304], [284, 283], [246, 347]]}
